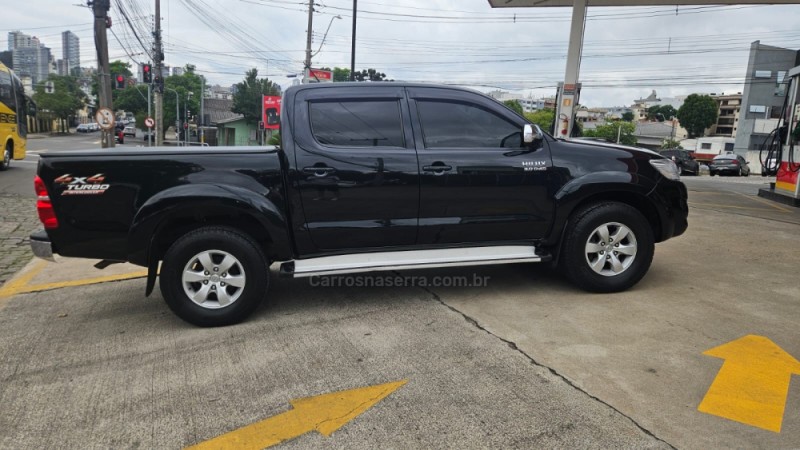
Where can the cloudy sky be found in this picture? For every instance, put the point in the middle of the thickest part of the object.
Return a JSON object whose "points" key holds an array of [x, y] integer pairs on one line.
{"points": [[628, 52]]}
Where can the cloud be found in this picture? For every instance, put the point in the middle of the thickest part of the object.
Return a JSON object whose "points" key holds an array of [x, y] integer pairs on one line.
{"points": [[628, 51]]}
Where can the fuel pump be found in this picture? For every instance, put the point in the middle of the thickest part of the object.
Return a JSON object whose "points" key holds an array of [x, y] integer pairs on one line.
{"points": [[787, 185]]}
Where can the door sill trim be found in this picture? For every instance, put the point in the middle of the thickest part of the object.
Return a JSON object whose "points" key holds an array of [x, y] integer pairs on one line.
{"points": [[410, 259]]}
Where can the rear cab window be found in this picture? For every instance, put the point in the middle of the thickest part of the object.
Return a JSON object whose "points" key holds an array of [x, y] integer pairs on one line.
{"points": [[357, 123]]}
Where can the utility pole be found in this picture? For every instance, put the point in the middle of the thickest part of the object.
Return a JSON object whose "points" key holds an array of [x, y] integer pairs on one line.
{"points": [[353, 48], [308, 36], [158, 94], [100, 9]]}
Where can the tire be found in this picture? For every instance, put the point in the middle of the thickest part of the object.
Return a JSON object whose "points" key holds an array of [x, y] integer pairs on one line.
{"points": [[588, 265], [739, 173], [195, 264], [5, 161], [712, 173]]}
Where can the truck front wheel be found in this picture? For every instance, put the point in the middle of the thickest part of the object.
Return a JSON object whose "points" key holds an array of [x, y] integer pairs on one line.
{"points": [[214, 277], [607, 248]]}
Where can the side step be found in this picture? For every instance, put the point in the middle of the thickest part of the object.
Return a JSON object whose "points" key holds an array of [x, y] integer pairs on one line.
{"points": [[412, 259]]}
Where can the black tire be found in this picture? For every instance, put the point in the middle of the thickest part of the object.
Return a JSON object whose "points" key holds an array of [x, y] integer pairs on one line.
{"points": [[712, 173], [584, 223], [251, 265], [5, 158]]}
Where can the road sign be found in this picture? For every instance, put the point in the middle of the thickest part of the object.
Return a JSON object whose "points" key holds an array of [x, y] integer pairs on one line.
{"points": [[49, 87], [149, 122], [105, 118]]}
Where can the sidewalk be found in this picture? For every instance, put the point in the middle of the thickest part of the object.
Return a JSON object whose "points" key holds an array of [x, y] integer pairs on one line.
{"points": [[18, 220]]}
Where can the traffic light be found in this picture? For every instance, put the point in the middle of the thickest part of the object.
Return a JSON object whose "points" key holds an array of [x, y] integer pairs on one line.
{"points": [[119, 81], [147, 73]]}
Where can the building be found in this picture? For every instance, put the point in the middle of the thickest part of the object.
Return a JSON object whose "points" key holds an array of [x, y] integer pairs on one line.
{"points": [[29, 56], [70, 53], [177, 71], [764, 94], [728, 110]]}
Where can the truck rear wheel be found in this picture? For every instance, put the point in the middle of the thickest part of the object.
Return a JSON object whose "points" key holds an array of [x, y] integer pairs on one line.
{"points": [[214, 277], [607, 248]]}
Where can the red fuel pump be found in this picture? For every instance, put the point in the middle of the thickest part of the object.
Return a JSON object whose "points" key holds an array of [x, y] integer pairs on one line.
{"points": [[787, 185]]}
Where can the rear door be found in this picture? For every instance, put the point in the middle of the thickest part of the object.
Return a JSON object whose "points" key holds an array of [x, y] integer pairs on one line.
{"points": [[478, 182], [357, 168]]}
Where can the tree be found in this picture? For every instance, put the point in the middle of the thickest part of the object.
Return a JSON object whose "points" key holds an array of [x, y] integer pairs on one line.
{"points": [[610, 131], [515, 106], [370, 75], [543, 117], [697, 113], [247, 99], [115, 68], [627, 116], [670, 143], [661, 112], [340, 74], [66, 98]]}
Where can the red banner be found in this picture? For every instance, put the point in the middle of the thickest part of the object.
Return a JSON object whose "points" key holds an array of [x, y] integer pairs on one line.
{"points": [[272, 112]]}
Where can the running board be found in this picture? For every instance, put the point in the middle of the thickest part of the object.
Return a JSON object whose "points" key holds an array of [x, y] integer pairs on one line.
{"points": [[412, 259]]}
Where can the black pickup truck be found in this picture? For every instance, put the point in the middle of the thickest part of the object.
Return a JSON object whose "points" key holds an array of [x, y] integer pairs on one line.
{"points": [[380, 176]]}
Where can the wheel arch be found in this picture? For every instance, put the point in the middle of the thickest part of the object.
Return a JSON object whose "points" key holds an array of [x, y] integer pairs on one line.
{"points": [[634, 195], [177, 211]]}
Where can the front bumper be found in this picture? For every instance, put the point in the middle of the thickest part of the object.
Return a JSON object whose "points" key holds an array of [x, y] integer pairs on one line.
{"points": [[41, 246]]}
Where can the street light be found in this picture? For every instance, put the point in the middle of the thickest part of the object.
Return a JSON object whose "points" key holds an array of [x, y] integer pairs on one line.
{"points": [[186, 111], [177, 114], [325, 35]]}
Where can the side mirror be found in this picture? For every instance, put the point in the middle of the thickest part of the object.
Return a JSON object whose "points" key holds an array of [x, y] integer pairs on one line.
{"points": [[531, 134]]}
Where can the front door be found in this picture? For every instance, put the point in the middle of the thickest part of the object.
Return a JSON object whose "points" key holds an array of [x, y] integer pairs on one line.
{"points": [[479, 183], [357, 168]]}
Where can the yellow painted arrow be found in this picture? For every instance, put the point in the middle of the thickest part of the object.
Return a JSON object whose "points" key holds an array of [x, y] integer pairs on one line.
{"points": [[753, 383], [325, 413]]}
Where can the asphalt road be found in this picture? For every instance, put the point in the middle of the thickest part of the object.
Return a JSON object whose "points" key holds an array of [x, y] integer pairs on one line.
{"points": [[520, 359]]}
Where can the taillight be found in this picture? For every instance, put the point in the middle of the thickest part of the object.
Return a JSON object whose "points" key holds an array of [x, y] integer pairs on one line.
{"points": [[47, 214], [735, 162]]}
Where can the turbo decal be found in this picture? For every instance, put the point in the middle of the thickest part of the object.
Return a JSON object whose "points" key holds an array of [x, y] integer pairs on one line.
{"points": [[83, 185]]}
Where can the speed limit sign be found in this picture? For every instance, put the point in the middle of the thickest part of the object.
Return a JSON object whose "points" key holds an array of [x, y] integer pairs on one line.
{"points": [[149, 122]]}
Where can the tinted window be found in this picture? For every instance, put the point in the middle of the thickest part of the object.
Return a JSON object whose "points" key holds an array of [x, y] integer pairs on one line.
{"points": [[360, 123], [7, 91], [458, 125]]}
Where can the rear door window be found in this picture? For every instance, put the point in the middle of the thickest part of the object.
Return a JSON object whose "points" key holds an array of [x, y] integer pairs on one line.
{"points": [[362, 123]]}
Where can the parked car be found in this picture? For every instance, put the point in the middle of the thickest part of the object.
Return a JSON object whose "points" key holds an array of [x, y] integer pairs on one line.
{"points": [[729, 164], [83, 128], [149, 135], [93, 126], [683, 159], [129, 131], [461, 181]]}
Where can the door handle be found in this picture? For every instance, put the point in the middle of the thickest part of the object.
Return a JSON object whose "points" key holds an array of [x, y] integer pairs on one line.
{"points": [[437, 169], [319, 171]]}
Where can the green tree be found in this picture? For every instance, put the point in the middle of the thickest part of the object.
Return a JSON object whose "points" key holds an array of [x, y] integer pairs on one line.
{"points": [[370, 75], [697, 113], [670, 143], [247, 99], [627, 116], [611, 130], [661, 112], [340, 74], [543, 117], [515, 106], [189, 81], [115, 68], [66, 98]]}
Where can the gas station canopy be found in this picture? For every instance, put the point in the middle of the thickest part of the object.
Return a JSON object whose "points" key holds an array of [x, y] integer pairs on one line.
{"points": [[569, 90], [546, 3]]}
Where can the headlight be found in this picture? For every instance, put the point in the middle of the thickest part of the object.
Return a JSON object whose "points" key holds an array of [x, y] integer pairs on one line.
{"points": [[667, 168]]}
